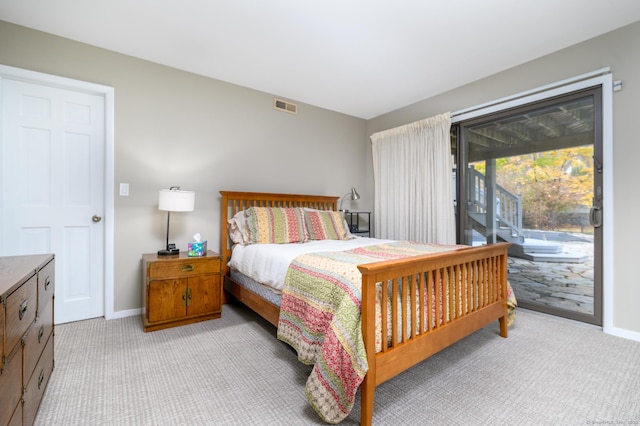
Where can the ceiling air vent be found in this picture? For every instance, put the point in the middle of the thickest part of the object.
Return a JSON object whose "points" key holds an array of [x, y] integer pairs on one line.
{"points": [[285, 106]]}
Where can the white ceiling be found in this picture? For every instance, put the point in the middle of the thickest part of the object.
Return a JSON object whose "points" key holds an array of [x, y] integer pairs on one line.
{"points": [[359, 57]]}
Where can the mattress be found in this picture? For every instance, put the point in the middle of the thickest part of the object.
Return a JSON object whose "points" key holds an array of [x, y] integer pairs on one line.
{"points": [[267, 293], [267, 264]]}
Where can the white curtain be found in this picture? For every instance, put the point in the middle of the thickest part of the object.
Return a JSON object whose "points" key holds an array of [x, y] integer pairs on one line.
{"points": [[412, 170]]}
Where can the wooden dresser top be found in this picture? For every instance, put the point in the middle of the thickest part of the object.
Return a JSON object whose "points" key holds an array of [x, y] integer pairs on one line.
{"points": [[14, 270]]}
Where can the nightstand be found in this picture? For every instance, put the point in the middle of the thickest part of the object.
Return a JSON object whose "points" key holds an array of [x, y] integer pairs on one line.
{"points": [[178, 290], [359, 223]]}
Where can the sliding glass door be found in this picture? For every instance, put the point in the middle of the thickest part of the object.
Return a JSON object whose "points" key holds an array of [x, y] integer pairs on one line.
{"points": [[532, 176]]}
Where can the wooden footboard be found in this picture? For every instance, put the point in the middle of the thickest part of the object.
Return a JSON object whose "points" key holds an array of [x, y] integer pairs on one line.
{"points": [[447, 296]]}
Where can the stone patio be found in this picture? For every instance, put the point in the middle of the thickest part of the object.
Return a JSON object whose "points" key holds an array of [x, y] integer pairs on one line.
{"points": [[556, 284]]}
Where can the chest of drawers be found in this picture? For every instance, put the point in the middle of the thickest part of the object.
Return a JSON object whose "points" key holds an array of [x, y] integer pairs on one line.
{"points": [[27, 285]]}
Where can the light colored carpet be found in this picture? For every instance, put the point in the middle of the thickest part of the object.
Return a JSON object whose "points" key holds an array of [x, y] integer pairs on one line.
{"points": [[233, 371]]}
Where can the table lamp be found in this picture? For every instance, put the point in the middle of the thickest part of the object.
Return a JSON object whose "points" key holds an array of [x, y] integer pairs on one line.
{"points": [[174, 200]]}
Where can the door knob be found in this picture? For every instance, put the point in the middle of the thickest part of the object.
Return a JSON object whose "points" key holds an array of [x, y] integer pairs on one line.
{"points": [[96, 218]]}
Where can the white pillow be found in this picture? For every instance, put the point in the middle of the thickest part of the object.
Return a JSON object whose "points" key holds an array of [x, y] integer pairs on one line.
{"points": [[238, 228]]}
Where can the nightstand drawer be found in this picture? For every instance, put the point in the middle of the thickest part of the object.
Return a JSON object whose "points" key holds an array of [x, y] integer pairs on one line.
{"points": [[184, 268]]}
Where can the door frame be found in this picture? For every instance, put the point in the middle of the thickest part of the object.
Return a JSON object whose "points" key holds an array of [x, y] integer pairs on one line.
{"points": [[108, 93], [604, 78]]}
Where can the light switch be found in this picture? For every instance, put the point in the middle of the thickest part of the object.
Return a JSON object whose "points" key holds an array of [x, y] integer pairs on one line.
{"points": [[124, 189]]}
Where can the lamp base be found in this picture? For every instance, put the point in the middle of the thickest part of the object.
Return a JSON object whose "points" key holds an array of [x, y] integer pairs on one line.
{"points": [[169, 251]]}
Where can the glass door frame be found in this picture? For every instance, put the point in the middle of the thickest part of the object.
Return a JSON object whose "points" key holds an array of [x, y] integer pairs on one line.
{"points": [[463, 222]]}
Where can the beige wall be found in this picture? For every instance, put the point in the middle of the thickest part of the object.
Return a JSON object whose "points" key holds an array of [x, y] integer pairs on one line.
{"points": [[619, 51], [177, 128], [173, 127]]}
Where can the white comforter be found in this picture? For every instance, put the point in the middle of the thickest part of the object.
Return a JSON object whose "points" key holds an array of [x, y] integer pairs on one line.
{"points": [[268, 263]]}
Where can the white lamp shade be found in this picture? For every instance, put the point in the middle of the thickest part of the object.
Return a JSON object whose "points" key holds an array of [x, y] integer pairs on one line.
{"points": [[175, 200]]}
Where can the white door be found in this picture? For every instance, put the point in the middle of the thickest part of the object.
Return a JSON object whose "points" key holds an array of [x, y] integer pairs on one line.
{"points": [[52, 189]]}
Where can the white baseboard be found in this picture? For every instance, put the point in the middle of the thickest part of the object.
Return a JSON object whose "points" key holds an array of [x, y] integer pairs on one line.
{"points": [[621, 332], [127, 313]]}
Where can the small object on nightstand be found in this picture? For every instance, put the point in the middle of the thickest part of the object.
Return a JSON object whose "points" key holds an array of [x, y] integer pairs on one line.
{"points": [[178, 290], [197, 248], [359, 223]]}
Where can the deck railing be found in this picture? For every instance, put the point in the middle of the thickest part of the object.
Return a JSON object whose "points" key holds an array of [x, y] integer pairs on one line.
{"points": [[508, 207]]}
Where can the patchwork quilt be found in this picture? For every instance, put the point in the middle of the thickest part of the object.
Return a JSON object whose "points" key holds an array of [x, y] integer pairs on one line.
{"points": [[320, 319]]}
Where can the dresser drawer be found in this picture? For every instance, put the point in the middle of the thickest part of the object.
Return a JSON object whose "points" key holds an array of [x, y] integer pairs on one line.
{"points": [[46, 285], [1, 334], [21, 311], [36, 338], [11, 385], [184, 268], [38, 383], [16, 419]]}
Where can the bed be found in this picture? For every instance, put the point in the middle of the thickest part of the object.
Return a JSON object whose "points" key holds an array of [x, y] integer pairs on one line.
{"points": [[410, 307]]}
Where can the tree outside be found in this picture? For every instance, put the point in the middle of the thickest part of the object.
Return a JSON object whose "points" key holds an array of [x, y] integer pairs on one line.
{"points": [[556, 187]]}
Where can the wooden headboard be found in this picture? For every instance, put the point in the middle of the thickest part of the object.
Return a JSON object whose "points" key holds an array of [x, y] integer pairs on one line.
{"points": [[233, 202]]}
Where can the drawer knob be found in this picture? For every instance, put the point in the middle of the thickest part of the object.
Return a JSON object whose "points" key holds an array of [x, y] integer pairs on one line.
{"points": [[23, 309], [47, 281], [40, 333], [186, 268]]}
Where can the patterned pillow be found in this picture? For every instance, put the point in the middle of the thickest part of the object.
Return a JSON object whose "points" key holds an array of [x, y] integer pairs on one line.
{"points": [[326, 225], [276, 225]]}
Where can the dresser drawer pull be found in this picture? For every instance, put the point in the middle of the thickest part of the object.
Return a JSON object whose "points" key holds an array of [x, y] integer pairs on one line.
{"points": [[40, 333], [23, 309], [187, 268], [47, 281], [40, 378]]}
